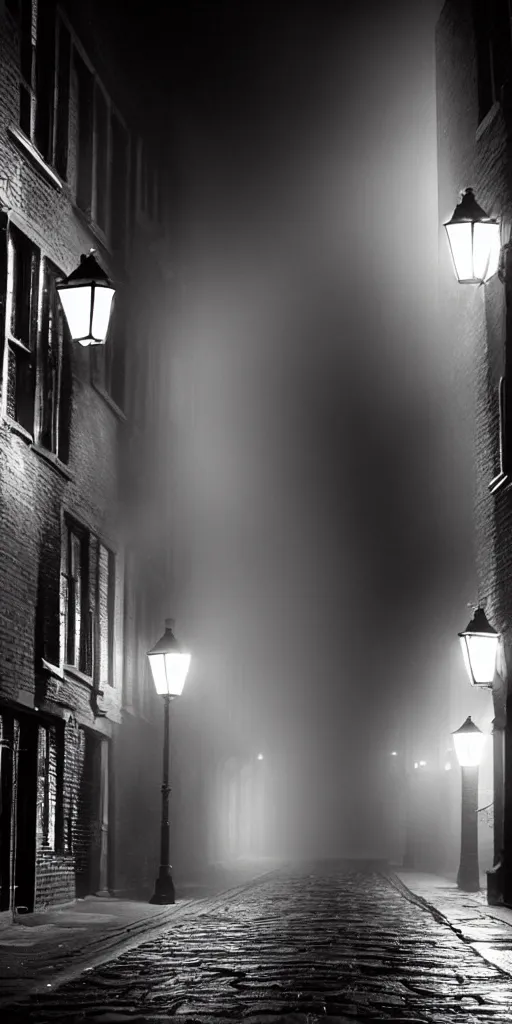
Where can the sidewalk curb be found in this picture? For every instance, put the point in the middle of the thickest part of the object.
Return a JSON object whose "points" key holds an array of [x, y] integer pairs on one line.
{"points": [[419, 901], [128, 937], [488, 952]]}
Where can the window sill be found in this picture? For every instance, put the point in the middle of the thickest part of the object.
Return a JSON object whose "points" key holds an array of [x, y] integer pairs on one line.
{"points": [[37, 161], [501, 482], [82, 677], [16, 428], [54, 670], [488, 119], [53, 461], [88, 223], [110, 402]]}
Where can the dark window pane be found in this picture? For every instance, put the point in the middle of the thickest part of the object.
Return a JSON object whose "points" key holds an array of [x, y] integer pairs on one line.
{"points": [[118, 185], [26, 49], [85, 121], [45, 77], [66, 384], [501, 43], [62, 125], [51, 356], [101, 158], [115, 350], [25, 278], [105, 613], [77, 600], [25, 292], [25, 109], [25, 381]]}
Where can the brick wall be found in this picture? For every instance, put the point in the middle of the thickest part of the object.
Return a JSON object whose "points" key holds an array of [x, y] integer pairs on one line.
{"points": [[35, 491], [55, 879], [474, 152]]}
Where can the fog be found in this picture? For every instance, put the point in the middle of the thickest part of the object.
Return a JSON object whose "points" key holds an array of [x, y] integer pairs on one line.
{"points": [[321, 534]]}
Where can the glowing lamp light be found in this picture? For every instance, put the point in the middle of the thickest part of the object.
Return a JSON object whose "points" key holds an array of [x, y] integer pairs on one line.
{"points": [[394, 753], [260, 757], [479, 642], [448, 766], [474, 240], [169, 664], [86, 297], [469, 744]]}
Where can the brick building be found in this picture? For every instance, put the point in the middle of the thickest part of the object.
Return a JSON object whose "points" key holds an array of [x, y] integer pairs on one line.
{"points": [[474, 71], [85, 563]]}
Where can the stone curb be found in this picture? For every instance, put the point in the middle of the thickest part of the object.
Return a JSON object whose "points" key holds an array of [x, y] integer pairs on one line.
{"points": [[129, 936], [490, 952]]}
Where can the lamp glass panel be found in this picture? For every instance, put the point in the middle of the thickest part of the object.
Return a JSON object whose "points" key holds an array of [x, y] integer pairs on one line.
{"points": [[469, 748], [157, 664], [486, 250], [481, 654], [101, 312], [460, 237], [176, 669], [76, 303]]}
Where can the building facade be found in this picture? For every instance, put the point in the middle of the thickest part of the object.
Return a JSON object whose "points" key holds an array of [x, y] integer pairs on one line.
{"points": [[85, 562], [474, 71]]}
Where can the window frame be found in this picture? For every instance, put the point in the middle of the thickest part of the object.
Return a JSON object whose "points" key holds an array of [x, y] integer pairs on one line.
{"points": [[111, 562], [52, 843], [83, 662], [50, 304], [22, 349], [90, 209], [28, 347]]}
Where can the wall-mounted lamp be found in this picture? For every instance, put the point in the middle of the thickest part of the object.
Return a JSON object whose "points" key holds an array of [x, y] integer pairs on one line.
{"points": [[474, 240], [479, 642], [86, 297]]}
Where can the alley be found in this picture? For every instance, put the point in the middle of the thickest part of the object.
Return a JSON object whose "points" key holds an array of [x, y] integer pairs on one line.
{"points": [[325, 942]]}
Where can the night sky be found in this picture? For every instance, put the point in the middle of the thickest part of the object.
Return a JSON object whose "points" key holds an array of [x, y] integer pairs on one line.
{"points": [[324, 506]]}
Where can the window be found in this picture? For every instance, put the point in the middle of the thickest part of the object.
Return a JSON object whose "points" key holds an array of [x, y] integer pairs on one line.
{"points": [[54, 370], [102, 158], [62, 100], [105, 610], [44, 51], [22, 323], [49, 789], [77, 611], [88, 609], [38, 363], [108, 361], [494, 50], [27, 15], [118, 184], [84, 88]]}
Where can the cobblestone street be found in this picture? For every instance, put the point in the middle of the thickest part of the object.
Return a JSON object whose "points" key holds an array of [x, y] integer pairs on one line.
{"points": [[297, 946]]}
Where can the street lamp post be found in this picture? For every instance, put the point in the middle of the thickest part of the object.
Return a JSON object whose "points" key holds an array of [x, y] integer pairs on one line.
{"points": [[169, 666], [468, 742]]}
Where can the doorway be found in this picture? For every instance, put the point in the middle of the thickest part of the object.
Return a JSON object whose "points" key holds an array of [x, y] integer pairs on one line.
{"points": [[18, 803], [91, 828]]}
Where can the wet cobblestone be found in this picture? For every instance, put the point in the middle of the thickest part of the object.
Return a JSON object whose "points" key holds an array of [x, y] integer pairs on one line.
{"points": [[333, 946]]}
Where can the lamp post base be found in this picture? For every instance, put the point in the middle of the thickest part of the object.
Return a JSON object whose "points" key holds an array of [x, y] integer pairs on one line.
{"points": [[164, 888], [468, 880]]}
